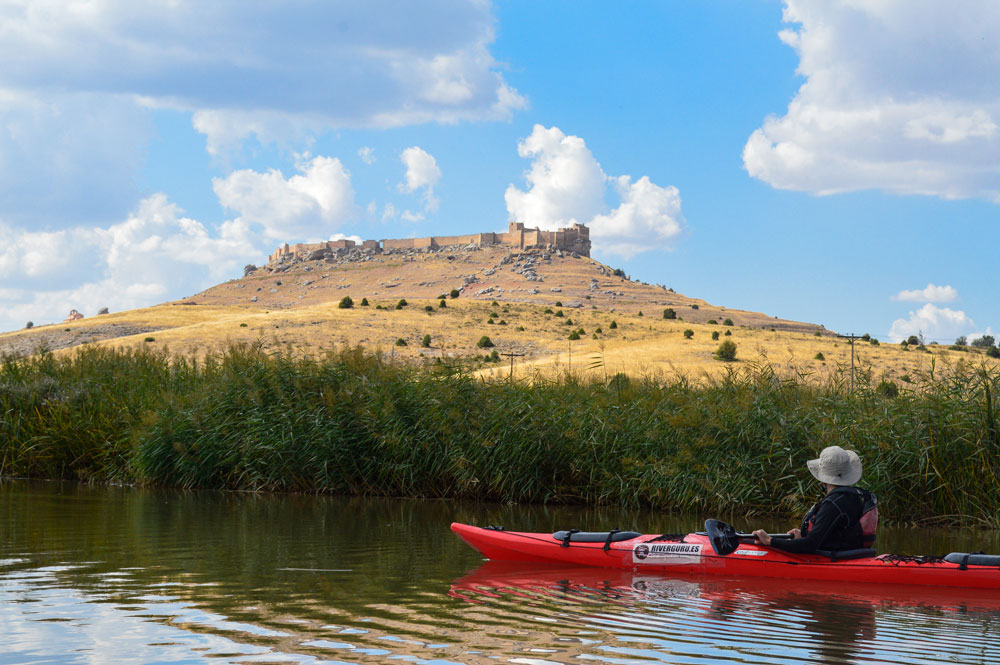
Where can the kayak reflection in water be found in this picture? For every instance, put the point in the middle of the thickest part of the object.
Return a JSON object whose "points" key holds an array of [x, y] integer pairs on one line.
{"points": [[845, 519]]}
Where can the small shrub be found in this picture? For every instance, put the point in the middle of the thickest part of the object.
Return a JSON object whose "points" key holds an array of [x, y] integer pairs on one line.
{"points": [[618, 272], [402, 303], [559, 303], [962, 341], [669, 313], [346, 303], [640, 312], [993, 352], [548, 310], [489, 322], [400, 342], [726, 351], [364, 302], [729, 333], [712, 322], [873, 342], [614, 325], [378, 307], [912, 340], [453, 294], [428, 308], [426, 342], [817, 334], [243, 325], [715, 335], [569, 322], [495, 356], [906, 378], [29, 324], [485, 342], [520, 328], [888, 389], [493, 315], [494, 304], [502, 323], [599, 331], [694, 306], [728, 322], [688, 334], [442, 304], [559, 312], [149, 339], [574, 335], [819, 356], [442, 296]]}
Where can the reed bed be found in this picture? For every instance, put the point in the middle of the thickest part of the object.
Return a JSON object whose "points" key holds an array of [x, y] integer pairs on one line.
{"points": [[353, 423]]}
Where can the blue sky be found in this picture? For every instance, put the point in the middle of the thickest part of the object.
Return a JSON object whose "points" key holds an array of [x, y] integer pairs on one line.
{"points": [[830, 161]]}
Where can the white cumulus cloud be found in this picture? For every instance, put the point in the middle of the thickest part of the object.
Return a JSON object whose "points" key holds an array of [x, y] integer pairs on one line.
{"points": [[930, 293], [899, 95], [304, 206], [567, 185], [155, 254], [934, 323], [422, 172]]}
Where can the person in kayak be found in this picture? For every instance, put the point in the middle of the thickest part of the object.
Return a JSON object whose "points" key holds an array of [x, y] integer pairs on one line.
{"points": [[845, 519]]}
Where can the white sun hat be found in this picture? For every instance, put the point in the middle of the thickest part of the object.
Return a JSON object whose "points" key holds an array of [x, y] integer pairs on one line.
{"points": [[836, 466]]}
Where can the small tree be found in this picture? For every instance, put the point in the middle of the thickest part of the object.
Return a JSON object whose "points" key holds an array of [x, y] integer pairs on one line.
{"points": [[912, 340], [428, 308], [728, 322], [346, 303], [726, 351], [614, 324], [442, 304], [961, 341], [426, 342], [669, 313], [715, 335], [364, 302], [484, 342], [453, 294], [993, 352], [29, 324], [688, 334], [984, 342]]}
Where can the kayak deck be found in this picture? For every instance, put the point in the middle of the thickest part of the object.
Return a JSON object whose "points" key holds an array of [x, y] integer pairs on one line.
{"points": [[692, 554]]}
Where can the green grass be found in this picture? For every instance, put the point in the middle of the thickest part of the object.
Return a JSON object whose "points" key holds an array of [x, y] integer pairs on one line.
{"points": [[356, 423]]}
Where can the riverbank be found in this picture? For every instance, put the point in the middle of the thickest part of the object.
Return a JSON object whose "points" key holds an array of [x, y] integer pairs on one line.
{"points": [[351, 423]]}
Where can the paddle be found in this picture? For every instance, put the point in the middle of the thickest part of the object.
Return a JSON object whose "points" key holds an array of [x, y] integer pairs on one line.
{"points": [[725, 539]]}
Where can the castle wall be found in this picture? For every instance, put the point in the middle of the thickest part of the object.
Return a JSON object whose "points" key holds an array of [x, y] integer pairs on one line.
{"points": [[575, 238]]}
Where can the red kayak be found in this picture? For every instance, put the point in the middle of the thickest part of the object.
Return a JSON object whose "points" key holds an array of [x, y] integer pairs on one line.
{"points": [[698, 554]]}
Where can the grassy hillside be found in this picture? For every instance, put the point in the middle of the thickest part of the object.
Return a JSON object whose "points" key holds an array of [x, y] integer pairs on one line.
{"points": [[619, 323]]}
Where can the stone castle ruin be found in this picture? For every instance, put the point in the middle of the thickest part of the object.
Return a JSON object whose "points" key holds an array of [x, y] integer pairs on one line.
{"points": [[576, 239]]}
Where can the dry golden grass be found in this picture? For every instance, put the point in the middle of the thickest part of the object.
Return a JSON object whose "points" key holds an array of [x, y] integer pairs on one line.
{"points": [[301, 313]]}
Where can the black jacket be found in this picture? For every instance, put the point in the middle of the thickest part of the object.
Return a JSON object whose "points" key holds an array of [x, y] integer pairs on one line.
{"points": [[832, 524]]}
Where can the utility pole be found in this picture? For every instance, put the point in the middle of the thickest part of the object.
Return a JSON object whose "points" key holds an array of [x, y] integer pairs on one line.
{"points": [[512, 355], [851, 337]]}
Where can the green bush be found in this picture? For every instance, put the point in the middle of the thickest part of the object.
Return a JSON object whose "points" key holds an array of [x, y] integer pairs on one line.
{"points": [[428, 308], [574, 335], [453, 294], [614, 325], [726, 351], [712, 322], [669, 313], [727, 322], [402, 303], [819, 356], [559, 312], [558, 303], [728, 333], [694, 306], [364, 302], [888, 389], [484, 342], [984, 342], [715, 335], [243, 325], [149, 339], [912, 340], [346, 303], [400, 342], [442, 304], [426, 341], [993, 352], [688, 334], [640, 312]]}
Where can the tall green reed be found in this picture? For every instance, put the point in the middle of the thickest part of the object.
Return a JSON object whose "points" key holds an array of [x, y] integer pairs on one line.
{"points": [[353, 423]]}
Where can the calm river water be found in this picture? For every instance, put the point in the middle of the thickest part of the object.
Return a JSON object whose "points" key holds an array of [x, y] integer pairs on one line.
{"points": [[120, 575]]}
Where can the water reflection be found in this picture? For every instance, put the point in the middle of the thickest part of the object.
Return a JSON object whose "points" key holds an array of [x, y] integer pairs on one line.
{"points": [[121, 575]]}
